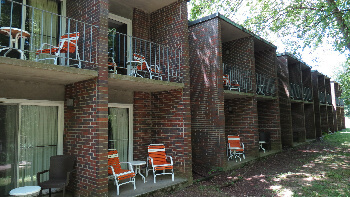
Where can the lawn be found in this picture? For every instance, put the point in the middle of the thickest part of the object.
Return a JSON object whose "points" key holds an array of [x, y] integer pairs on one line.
{"points": [[320, 168]]}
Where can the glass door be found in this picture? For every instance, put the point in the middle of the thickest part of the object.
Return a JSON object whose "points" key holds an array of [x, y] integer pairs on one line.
{"points": [[8, 128], [120, 131], [29, 137]]}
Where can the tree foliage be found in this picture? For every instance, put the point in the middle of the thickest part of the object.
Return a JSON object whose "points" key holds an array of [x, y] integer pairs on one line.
{"points": [[310, 22]]}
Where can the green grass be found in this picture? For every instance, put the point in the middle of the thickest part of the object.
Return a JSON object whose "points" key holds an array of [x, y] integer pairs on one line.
{"points": [[334, 162]]}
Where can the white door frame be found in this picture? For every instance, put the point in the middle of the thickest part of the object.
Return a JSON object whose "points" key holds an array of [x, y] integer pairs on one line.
{"points": [[131, 126], [128, 23]]}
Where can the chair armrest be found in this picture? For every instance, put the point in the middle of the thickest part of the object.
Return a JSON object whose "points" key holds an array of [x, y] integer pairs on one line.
{"points": [[150, 158], [68, 176], [242, 145], [42, 45], [171, 159], [130, 166], [38, 175]]}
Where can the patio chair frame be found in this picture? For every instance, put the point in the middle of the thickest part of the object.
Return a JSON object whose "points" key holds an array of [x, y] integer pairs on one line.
{"points": [[156, 161], [122, 174], [235, 147]]}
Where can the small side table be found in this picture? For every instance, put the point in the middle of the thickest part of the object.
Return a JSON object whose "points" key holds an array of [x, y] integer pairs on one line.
{"points": [[26, 191], [137, 167], [261, 145]]}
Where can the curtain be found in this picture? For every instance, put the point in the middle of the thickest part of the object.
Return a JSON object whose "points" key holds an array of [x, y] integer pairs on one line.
{"points": [[119, 132], [37, 141], [8, 122], [43, 25]]}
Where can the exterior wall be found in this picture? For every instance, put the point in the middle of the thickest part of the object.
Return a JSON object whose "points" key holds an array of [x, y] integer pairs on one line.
{"points": [[310, 121], [86, 123], [314, 77], [324, 119], [164, 117], [207, 98], [284, 101], [298, 122], [240, 53], [269, 121], [241, 118], [330, 118]]}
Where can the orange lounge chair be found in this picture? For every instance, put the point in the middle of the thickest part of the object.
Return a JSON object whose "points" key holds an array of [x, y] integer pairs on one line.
{"points": [[68, 44], [117, 173], [153, 70], [157, 161], [235, 148]]}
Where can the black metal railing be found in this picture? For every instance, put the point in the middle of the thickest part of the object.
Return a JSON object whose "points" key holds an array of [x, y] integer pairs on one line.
{"points": [[296, 91], [329, 99], [307, 92], [152, 59], [237, 79], [40, 35], [265, 85], [322, 97]]}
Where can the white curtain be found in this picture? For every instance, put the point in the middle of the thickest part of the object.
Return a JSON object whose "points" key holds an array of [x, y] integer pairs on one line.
{"points": [[119, 126], [8, 121], [43, 25], [37, 141]]}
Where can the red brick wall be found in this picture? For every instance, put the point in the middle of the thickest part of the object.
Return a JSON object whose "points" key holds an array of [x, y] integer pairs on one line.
{"points": [[265, 63], [324, 119], [241, 55], [330, 118], [86, 124], [242, 120], [284, 101], [207, 99], [314, 77], [310, 121], [164, 117], [298, 122], [269, 121]]}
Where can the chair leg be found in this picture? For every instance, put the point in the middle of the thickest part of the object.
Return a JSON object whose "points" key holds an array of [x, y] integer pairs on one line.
{"points": [[172, 176], [134, 183], [49, 192]]}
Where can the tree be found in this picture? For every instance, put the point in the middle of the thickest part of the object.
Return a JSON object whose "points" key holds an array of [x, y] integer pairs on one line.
{"points": [[310, 22]]}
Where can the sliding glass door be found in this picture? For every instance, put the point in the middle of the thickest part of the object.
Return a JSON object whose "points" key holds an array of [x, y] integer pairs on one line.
{"points": [[30, 137], [120, 130]]}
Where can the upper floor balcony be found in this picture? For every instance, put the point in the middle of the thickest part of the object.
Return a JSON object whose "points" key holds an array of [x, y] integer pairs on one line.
{"points": [[137, 57], [296, 91], [237, 79], [307, 94], [265, 85], [42, 32], [322, 97]]}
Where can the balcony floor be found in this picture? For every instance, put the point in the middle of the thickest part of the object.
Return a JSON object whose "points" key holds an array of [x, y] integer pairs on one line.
{"points": [[163, 182]]}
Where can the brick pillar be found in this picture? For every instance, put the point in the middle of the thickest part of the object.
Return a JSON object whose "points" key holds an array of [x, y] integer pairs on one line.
{"points": [[86, 123]]}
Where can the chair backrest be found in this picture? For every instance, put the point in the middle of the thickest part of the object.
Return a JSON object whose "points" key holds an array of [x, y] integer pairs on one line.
{"points": [[60, 165], [113, 160], [142, 60], [226, 80], [69, 40], [157, 152], [234, 141], [264, 136]]}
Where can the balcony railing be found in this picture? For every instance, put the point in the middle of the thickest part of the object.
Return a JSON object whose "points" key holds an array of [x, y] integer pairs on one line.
{"points": [[341, 102], [307, 94], [296, 91], [322, 97], [329, 99], [150, 59], [237, 79], [265, 85], [40, 35]]}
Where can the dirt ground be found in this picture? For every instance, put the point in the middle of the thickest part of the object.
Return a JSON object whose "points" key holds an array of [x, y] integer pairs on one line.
{"points": [[320, 168]]}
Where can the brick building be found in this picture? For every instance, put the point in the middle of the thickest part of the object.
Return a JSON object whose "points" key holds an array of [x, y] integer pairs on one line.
{"points": [[296, 100], [101, 101], [338, 106], [233, 81]]}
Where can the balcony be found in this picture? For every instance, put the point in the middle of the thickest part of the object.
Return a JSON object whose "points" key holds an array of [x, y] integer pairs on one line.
{"points": [[322, 97], [137, 57], [34, 34], [265, 85], [329, 99], [237, 79], [296, 91], [307, 94]]}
